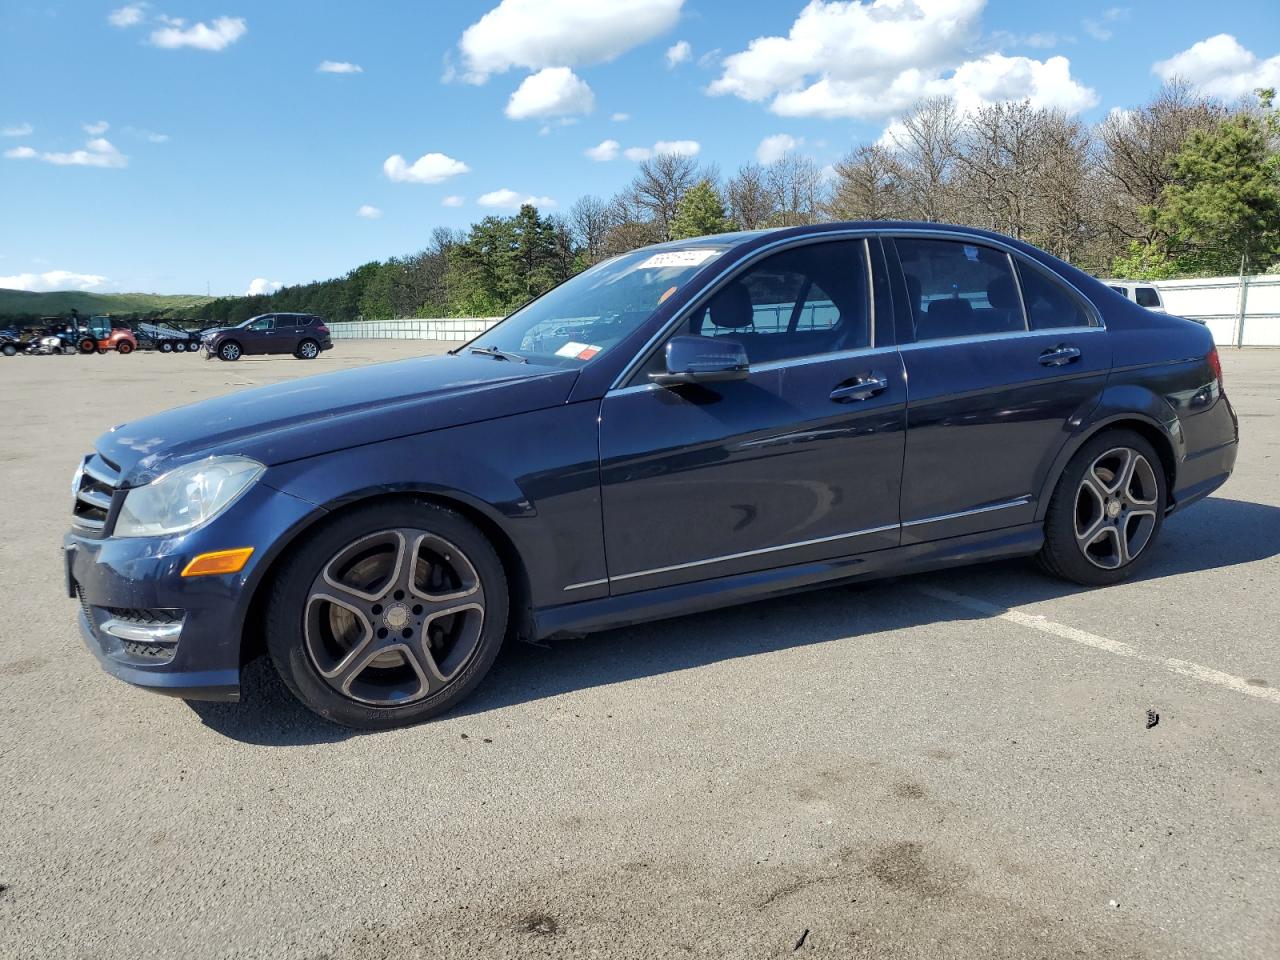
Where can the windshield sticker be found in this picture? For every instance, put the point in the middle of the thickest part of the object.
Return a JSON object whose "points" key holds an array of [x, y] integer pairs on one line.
{"points": [[579, 351], [669, 291], [678, 258]]}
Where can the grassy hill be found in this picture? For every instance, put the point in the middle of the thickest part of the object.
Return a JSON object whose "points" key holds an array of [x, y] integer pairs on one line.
{"points": [[23, 303]]}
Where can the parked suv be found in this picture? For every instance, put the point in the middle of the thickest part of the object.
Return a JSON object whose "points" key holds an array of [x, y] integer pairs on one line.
{"points": [[300, 334], [1143, 294]]}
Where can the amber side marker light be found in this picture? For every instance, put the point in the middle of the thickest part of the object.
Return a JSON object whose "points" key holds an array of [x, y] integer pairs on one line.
{"points": [[220, 561]]}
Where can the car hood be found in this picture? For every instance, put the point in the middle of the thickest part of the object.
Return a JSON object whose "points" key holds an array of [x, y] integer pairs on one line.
{"points": [[320, 414]]}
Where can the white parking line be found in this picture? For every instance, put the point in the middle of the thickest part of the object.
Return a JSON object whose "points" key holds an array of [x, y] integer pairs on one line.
{"points": [[1183, 667]]}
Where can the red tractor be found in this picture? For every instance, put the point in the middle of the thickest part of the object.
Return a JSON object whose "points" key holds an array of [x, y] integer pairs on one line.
{"points": [[101, 334]]}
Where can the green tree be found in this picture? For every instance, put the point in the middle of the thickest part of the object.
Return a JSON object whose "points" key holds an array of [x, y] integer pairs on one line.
{"points": [[504, 262], [1144, 261], [1223, 203], [701, 212]]}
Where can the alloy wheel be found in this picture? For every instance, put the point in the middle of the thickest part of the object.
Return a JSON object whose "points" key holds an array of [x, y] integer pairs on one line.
{"points": [[1115, 509], [229, 351], [393, 617], [308, 351]]}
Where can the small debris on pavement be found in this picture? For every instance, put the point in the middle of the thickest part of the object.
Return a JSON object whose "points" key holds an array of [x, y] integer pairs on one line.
{"points": [[800, 943], [1152, 719]]}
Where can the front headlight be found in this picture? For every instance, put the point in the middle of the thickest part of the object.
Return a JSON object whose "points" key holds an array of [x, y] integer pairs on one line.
{"points": [[185, 497]]}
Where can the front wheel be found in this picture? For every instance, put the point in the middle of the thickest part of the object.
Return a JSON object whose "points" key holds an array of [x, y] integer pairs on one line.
{"points": [[166, 346], [390, 615], [229, 351], [1106, 512], [9, 350], [124, 347]]}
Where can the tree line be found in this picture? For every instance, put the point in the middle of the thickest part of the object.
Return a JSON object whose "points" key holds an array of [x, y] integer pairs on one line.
{"points": [[1180, 186]]}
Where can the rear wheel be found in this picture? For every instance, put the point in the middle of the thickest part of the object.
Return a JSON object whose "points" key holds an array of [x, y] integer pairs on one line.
{"points": [[88, 345], [166, 346], [1107, 510], [229, 351], [307, 350], [180, 347], [124, 346], [388, 616]]}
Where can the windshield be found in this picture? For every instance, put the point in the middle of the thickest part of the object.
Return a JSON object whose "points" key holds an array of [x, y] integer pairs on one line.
{"points": [[585, 316]]}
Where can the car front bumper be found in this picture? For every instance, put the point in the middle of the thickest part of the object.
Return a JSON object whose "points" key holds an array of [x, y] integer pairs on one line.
{"points": [[150, 626]]}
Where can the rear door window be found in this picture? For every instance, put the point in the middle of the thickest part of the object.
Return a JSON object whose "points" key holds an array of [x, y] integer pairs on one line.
{"points": [[1050, 305], [959, 289], [1147, 297]]}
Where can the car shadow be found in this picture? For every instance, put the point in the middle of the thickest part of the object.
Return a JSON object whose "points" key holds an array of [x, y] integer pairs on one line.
{"points": [[1216, 533]]}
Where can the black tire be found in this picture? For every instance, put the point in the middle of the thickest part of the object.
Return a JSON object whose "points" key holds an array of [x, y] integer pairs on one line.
{"points": [[166, 346], [9, 350], [229, 351], [179, 347], [289, 615], [1070, 520], [307, 350], [124, 347], [88, 345]]}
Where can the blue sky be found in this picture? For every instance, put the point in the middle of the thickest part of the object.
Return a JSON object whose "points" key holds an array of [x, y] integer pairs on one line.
{"points": [[229, 156]]}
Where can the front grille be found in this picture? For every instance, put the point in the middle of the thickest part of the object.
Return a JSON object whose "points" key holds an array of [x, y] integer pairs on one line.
{"points": [[149, 651], [98, 481]]}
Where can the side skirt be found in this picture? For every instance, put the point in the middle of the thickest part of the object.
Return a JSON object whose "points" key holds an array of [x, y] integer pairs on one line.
{"points": [[606, 613]]}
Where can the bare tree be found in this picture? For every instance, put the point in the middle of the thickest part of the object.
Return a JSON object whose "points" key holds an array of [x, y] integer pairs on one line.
{"points": [[868, 186], [794, 182], [750, 204], [589, 223], [630, 226], [660, 185], [927, 142]]}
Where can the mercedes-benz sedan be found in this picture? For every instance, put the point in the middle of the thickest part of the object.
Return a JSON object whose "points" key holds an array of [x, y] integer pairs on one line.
{"points": [[681, 427]]}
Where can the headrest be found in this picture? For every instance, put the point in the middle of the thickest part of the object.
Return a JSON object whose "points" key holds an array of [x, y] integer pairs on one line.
{"points": [[950, 310], [731, 307], [914, 291], [1002, 294]]}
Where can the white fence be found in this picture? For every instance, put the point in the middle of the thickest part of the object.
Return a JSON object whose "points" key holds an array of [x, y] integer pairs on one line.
{"points": [[448, 328], [1238, 314], [1246, 315]]}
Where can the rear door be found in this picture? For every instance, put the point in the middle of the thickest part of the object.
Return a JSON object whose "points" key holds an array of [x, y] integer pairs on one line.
{"points": [[1001, 357], [797, 463]]}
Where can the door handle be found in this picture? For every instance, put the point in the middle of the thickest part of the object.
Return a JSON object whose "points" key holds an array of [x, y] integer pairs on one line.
{"points": [[860, 388], [1059, 355]]}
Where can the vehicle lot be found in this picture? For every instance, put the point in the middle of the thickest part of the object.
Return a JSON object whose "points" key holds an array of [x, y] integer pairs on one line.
{"points": [[952, 765]]}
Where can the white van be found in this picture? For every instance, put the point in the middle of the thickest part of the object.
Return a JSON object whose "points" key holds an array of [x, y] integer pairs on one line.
{"points": [[1143, 294]]}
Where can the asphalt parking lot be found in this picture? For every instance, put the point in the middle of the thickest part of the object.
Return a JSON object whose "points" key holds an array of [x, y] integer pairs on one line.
{"points": [[952, 765]]}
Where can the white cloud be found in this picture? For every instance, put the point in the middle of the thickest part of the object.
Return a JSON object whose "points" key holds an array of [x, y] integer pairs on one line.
{"points": [[97, 129], [506, 199], [21, 153], [260, 286], [96, 153], [338, 66], [684, 148], [865, 60], [54, 280], [453, 200], [21, 130], [604, 151], [620, 117], [428, 168], [130, 15], [1100, 28], [368, 212], [223, 32], [552, 92], [777, 146], [551, 33], [1221, 67], [153, 137], [678, 53]]}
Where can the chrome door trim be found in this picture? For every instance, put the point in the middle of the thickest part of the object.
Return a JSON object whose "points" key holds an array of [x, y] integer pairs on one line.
{"points": [[1021, 501], [1005, 335], [586, 583]]}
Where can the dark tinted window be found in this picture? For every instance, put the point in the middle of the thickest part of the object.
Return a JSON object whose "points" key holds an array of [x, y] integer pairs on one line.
{"points": [[1049, 303], [801, 302], [1147, 297], [959, 289], [303, 321]]}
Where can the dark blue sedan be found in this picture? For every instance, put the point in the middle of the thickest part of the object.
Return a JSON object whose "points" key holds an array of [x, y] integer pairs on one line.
{"points": [[682, 427]]}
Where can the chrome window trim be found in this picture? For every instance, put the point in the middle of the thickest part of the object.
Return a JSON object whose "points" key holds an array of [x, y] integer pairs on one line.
{"points": [[1007, 335], [586, 583], [776, 246]]}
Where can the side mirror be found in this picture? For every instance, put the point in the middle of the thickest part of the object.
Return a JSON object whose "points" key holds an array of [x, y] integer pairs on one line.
{"points": [[702, 360]]}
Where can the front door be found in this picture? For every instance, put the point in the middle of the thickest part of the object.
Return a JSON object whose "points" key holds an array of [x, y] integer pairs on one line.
{"points": [[799, 462], [1005, 359]]}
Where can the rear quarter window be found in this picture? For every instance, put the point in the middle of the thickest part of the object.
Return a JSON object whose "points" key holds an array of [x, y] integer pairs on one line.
{"points": [[1147, 297], [1050, 305]]}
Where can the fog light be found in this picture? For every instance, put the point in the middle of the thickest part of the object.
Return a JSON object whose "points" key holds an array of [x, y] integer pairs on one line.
{"points": [[220, 561]]}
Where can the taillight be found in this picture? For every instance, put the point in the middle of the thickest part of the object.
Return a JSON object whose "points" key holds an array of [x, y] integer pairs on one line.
{"points": [[323, 329], [1215, 365]]}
